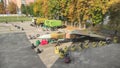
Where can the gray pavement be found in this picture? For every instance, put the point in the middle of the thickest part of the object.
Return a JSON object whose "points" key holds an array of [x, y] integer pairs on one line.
{"points": [[101, 57], [15, 52]]}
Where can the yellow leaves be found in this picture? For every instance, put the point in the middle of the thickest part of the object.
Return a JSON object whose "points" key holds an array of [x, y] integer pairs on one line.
{"points": [[12, 8], [111, 2], [71, 9], [76, 9], [2, 10], [86, 17], [104, 11], [35, 9], [41, 6], [38, 1]]}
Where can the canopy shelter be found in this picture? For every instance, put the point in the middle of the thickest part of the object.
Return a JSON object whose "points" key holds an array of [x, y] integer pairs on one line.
{"points": [[80, 32], [53, 23], [53, 36], [70, 36], [58, 35], [86, 33], [37, 43], [47, 36]]}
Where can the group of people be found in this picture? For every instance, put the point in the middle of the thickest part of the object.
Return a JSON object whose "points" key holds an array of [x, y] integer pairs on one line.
{"points": [[34, 23], [18, 27], [38, 50], [63, 53]]}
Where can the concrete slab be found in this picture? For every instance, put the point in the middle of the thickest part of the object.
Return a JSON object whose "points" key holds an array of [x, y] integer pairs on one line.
{"points": [[15, 52]]}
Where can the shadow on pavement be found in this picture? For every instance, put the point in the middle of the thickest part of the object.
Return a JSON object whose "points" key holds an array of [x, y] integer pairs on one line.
{"points": [[15, 52], [104, 57], [101, 57]]}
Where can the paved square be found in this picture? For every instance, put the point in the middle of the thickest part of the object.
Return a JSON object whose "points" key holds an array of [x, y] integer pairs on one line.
{"points": [[15, 52]]}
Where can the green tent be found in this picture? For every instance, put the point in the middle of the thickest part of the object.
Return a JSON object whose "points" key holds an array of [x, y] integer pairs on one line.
{"points": [[53, 23], [46, 23], [37, 43]]}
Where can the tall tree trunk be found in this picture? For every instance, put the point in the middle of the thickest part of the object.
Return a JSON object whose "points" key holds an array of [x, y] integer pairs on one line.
{"points": [[71, 23], [79, 25], [84, 26], [115, 33], [66, 23], [74, 24]]}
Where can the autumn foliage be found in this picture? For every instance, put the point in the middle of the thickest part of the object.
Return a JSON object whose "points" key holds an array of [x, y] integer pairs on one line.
{"points": [[12, 8], [2, 9], [74, 11]]}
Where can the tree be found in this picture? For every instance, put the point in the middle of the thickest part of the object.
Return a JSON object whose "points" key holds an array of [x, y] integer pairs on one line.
{"points": [[78, 12], [23, 9], [27, 9], [53, 8], [41, 8], [2, 9], [98, 10], [12, 7], [36, 8], [73, 11], [30, 9], [83, 8], [115, 16]]}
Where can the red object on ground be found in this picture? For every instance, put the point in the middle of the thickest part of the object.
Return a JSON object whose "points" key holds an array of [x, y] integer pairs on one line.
{"points": [[44, 42]]}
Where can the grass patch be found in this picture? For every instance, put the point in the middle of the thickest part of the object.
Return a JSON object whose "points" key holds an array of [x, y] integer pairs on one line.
{"points": [[14, 18]]}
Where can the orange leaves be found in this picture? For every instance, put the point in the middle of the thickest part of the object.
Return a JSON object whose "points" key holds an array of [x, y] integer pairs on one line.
{"points": [[41, 6], [12, 7], [73, 9], [2, 10]]}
